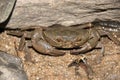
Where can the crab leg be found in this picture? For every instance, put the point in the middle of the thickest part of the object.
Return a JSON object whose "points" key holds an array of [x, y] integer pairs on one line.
{"points": [[22, 43], [111, 36], [15, 33]]}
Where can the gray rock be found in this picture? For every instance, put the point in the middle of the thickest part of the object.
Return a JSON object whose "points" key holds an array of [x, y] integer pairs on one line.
{"points": [[11, 68], [65, 12], [6, 7]]}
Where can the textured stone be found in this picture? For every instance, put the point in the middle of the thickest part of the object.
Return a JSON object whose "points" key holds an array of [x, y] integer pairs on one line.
{"points": [[11, 67], [65, 12], [6, 7]]}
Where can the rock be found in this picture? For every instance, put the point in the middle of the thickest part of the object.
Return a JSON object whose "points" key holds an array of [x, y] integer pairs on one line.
{"points": [[6, 7], [11, 68], [65, 12]]}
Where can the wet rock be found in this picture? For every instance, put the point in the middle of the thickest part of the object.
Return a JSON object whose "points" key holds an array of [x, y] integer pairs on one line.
{"points": [[11, 67]]}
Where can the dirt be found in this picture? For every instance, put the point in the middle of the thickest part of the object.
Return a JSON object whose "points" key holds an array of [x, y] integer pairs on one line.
{"points": [[44, 67]]}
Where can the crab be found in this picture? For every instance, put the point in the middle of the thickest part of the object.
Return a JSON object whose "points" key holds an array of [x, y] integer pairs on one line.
{"points": [[57, 39]]}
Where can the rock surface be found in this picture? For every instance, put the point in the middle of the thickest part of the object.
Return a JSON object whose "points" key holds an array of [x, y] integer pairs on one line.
{"points": [[11, 67], [65, 12], [6, 7]]}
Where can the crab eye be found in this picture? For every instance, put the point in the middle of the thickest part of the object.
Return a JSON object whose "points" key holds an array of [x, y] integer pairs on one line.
{"points": [[59, 39], [78, 39]]}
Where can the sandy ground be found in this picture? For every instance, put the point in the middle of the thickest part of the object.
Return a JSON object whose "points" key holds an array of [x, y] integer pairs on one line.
{"points": [[46, 67]]}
